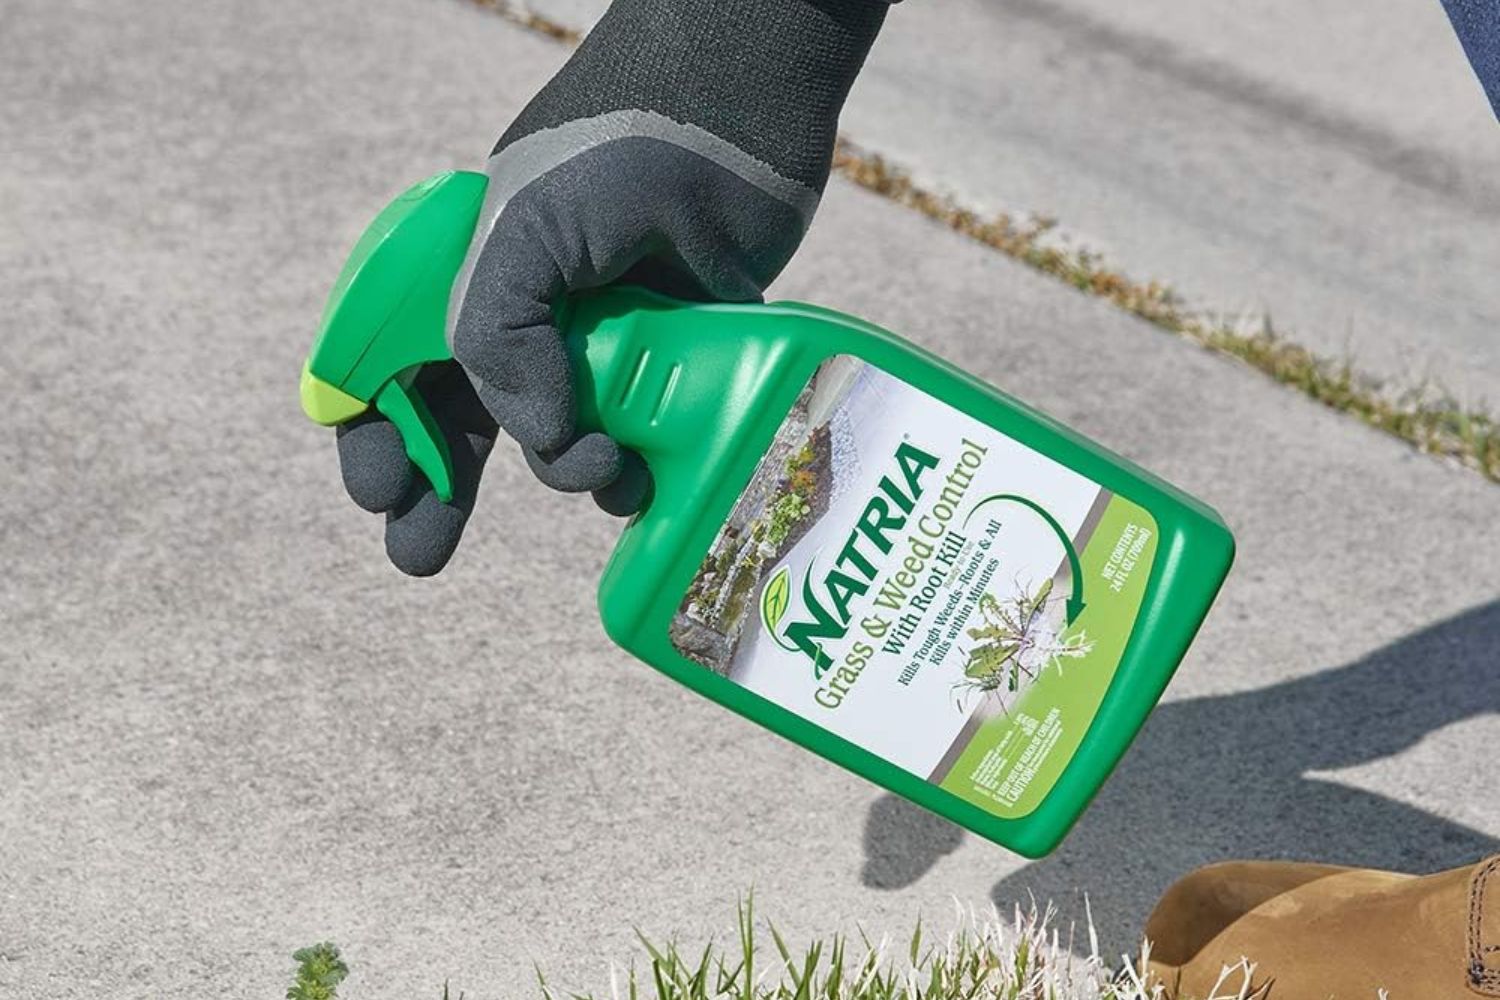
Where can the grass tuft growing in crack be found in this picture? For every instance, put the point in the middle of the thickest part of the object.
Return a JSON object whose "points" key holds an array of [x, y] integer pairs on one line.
{"points": [[1423, 415]]}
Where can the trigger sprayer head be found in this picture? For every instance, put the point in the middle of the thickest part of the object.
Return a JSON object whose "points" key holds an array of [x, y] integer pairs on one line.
{"points": [[387, 316], [327, 404]]}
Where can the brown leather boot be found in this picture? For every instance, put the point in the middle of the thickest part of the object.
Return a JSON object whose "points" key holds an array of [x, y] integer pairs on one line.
{"points": [[1317, 931]]}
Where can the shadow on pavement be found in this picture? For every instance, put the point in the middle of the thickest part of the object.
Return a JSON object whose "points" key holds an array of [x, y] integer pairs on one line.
{"points": [[1226, 777]]}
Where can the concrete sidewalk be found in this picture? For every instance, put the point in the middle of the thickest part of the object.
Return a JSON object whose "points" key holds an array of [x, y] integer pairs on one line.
{"points": [[1331, 166], [228, 730]]}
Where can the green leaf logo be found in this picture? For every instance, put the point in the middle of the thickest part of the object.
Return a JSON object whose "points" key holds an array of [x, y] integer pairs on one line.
{"points": [[773, 599]]}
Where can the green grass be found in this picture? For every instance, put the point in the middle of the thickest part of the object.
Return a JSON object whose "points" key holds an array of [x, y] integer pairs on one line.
{"points": [[1025, 957]]}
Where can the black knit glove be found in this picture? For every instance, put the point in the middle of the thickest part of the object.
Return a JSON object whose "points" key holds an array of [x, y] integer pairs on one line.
{"points": [[684, 146]]}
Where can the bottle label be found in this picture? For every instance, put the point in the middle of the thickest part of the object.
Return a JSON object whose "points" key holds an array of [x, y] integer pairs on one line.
{"points": [[914, 581]]}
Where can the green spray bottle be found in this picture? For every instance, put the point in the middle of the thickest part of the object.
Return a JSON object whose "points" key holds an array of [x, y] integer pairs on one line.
{"points": [[849, 541]]}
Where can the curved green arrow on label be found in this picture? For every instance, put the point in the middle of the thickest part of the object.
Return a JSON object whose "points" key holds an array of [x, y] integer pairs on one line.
{"points": [[1075, 604]]}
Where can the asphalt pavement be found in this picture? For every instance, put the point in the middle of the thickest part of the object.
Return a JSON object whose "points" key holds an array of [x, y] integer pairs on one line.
{"points": [[228, 730]]}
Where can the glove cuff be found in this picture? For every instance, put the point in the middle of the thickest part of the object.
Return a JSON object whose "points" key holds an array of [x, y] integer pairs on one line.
{"points": [[768, 76]]}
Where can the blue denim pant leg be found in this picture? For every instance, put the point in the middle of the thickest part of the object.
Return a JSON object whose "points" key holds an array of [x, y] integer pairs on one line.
{"points": [[1478, 25]]}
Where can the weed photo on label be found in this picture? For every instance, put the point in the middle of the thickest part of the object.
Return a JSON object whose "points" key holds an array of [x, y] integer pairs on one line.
{"points": [[849, 540]]}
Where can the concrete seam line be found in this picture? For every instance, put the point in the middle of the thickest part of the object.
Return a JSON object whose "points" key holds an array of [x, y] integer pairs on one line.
{"points": [[1423, 414], [520, 15]]}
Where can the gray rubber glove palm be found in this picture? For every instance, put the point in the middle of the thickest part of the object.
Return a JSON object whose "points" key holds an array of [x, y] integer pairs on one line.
{"points": [[684, 147]]}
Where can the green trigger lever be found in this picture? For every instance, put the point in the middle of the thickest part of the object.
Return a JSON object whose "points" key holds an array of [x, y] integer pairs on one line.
{"points": [[387, 317]]}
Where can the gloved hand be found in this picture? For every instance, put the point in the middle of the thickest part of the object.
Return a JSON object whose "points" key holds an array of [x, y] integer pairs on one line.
{"points": [[684, 147]]}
